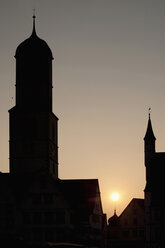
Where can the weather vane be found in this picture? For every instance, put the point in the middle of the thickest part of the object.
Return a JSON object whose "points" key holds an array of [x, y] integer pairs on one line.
{"points": [[34, 13], [149, 111]]}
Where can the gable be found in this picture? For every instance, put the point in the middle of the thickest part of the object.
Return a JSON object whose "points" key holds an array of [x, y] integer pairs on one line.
{"points": [[133, 214]]}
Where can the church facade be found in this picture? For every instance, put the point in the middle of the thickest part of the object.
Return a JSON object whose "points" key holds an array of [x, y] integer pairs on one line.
{"points": [[35, 204]]}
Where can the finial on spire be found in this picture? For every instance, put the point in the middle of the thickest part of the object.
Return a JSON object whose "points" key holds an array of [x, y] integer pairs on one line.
{"points": [[149, 112], [34, 17]]}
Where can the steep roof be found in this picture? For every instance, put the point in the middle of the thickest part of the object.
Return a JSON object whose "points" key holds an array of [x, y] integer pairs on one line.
{"points": [[135, 201], [80, 193]]}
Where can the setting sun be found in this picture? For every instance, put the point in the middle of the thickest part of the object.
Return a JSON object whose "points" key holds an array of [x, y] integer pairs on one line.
{"points": [[115, 196]]}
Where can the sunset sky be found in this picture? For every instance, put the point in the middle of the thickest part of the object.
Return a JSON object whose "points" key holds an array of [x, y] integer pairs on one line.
{"points": [[108, 69]]}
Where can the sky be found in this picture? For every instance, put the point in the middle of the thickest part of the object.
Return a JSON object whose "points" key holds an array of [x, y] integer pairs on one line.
{"points": [[108, 70]]}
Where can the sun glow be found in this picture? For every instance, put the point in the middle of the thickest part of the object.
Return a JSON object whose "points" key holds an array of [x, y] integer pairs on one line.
{"points": [[115, 196]]}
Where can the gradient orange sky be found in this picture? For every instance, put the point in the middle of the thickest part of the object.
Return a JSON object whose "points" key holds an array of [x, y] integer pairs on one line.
{"points": [[109, 68]]}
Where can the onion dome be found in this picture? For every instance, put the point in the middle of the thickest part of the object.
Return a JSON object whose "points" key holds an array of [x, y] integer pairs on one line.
{"points": [[114, 220], [33, 46]]}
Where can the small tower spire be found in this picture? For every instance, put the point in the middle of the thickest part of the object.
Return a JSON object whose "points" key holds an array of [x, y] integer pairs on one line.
{"points": [[149, 133], [149, 144]]}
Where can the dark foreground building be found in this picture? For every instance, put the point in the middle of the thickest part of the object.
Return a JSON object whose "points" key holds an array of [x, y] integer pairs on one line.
{"points": [[35, 205], [128, 229]]}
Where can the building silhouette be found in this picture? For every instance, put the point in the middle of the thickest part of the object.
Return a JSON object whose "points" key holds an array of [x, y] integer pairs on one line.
{"points": [[147, 216], [128, 229], [154, 191], [35, 204]]}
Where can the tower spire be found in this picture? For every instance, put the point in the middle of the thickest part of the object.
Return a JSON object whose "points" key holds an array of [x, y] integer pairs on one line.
{"points": [[149, 133], [149, 146]]}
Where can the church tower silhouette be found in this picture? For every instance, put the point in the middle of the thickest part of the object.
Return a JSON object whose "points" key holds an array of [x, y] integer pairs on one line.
{"points": [[149, 149], [33, 126], [154, 191], [36, 205]]}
